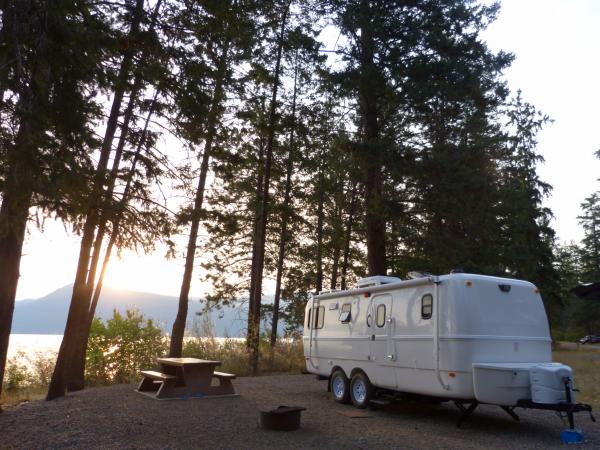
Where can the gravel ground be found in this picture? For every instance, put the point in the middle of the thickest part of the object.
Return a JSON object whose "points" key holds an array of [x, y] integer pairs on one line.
{"points": [[118, 417]]}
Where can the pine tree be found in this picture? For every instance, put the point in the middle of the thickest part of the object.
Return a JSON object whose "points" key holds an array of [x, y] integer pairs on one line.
{"points": [[141, 55], [223, 37], [420, 76], [590, 221], [527, 237], [47, 122]]}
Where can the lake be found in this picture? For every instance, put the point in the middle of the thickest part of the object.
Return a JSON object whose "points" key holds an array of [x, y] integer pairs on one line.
{"points": [[30, 344]]}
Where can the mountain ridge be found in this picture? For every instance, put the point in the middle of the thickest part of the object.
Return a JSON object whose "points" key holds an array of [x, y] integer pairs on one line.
{"points": [[48, 314]]}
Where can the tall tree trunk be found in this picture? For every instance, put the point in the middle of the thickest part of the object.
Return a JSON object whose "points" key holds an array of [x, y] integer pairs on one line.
{"points": [[372, 164], [320, 221], [348, 237], [16, 199], [6, 31], [178, 331], [74, 329], [337, 233], [335, 265], [283, 234], [18, 185], [263, 208], [76, 371], [259, 186], [116, 221], [76, 375]]}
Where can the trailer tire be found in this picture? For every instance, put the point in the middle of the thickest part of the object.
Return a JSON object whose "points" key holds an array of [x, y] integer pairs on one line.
{"points": [[361, 390], [340, 386]]}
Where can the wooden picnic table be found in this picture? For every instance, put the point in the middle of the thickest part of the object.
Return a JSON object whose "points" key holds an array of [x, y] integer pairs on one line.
{"points": [[186, 377]]}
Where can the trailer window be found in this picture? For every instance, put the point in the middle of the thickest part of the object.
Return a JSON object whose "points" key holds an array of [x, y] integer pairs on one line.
{"points": [[346, 313], [426, 306], [319, 317], [380, 316]]}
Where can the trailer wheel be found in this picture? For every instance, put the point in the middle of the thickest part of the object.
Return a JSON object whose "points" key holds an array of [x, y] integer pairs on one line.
{"points": [[340, 386], [361, 390]]}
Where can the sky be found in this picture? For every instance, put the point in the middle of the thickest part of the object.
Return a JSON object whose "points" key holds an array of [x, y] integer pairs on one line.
{"points": [[557, 67]]}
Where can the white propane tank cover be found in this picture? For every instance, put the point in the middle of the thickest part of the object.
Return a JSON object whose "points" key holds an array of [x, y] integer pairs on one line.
{"points": [[547, 383], [377, 280]]}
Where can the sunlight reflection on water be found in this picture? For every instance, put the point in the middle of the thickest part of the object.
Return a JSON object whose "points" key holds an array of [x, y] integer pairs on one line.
{"points": [[30, 344]]}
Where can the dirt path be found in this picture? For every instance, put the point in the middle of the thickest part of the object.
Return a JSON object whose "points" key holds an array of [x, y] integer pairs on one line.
{"points": [[118, 417]]}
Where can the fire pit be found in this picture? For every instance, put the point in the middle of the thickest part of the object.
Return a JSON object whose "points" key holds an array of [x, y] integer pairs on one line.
{"points": [[282, 418]]}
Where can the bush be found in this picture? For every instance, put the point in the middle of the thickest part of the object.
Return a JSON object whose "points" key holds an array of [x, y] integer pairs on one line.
{"points": [[287, 355], [16, 374], [119, 349]]}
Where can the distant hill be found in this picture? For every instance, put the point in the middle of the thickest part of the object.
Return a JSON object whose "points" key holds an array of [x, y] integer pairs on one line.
{"points": [[48, 315]]}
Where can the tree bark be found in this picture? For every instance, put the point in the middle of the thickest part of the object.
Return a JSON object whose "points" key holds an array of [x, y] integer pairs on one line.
{"points": [[338, 233], [259, 187], [76, 371], [348, 237], [283, 234], [320, 221], [113, 238], [372, 165], [178, 330], [14, 213], [263, 209], [18, 186], [78, 309], [76, 375]]}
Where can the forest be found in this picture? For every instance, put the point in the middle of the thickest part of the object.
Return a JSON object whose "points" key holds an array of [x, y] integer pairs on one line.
{"points": [[229, 132]]}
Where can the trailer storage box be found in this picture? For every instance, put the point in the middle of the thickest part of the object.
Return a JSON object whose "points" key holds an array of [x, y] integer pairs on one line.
{"points": [[501, 383]]}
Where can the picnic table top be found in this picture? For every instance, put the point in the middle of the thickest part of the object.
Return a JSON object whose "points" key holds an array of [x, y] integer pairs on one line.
{"points": [[187, 362]]}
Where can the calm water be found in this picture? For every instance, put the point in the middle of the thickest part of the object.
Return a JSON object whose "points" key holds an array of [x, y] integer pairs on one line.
{"points": [[30, 344]]}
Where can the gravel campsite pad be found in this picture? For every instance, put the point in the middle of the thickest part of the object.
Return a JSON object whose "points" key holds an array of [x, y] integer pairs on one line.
{"points": [[118, 417]]}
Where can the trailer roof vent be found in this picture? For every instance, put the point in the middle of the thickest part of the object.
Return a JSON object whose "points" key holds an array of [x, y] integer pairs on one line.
{"points": [[413, 275], [376, 281]]}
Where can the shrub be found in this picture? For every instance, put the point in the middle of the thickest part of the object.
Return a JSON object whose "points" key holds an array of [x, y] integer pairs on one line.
{"points": [[287, 356], [119, 349], [16, 374]]}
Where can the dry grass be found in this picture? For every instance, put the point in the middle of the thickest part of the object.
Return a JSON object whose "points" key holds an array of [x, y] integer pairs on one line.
{"points": [[286, 357], [586, 369], [12, 398]]}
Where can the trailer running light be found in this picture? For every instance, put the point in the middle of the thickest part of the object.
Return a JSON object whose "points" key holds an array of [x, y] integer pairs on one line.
{"points": [[536, 290], [469, 283], [366, 295], [451, 374]]}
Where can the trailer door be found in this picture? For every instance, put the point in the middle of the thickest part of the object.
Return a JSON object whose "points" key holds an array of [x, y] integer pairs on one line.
{"points": [[382, 344]]}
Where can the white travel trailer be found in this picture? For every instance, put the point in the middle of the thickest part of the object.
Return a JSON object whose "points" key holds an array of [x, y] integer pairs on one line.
{"points": [[468, 338]]}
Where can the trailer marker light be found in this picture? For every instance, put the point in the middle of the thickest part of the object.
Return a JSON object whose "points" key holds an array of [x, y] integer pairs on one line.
{"points": [[536, 290], [366, 295], [451, 374], [469, 283]]}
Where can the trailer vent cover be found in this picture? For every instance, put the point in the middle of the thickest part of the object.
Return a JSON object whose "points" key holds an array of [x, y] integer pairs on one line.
{"points": [[377, 280], [504, 287]]}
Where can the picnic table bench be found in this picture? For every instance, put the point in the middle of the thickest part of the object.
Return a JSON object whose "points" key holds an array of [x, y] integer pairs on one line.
{"points": [[185, 378]]}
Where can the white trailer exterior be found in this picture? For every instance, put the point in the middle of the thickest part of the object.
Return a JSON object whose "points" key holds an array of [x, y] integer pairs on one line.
{"points": [[459, 336]]}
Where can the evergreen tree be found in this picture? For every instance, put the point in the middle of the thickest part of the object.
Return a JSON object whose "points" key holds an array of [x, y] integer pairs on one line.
{"points": [[526, 235], [140, 223], [221, 40], [48, 113], [424, 85], [590, 252]]}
